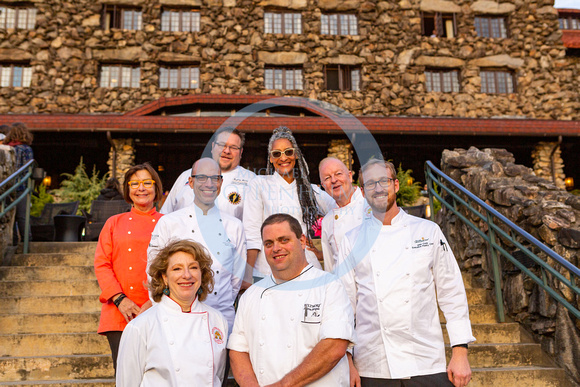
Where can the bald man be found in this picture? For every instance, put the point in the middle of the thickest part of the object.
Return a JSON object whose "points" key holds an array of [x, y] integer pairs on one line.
{"points": [[352, 207]]}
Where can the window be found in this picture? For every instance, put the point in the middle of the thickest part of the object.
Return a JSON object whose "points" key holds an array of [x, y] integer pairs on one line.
{"points": [[179, 77], [491, 27], [120, 76], [569, 21], [283, 78], [441, 25], [497, 81], [17, 17], [445, 81], [119, 17], [338, 25], [341, 77], [180, 20], [282, 23], [12, 75]]}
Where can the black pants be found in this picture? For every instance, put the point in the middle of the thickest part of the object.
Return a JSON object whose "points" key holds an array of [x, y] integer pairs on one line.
{"points": [[114, 338], [434, 380], [19, 222]]}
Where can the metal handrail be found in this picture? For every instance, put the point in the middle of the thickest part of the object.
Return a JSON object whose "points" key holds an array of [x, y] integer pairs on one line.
{"points": [[497, 224], [23, 176]]}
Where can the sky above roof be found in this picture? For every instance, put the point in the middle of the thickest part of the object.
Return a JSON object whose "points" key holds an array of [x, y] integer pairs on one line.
{"points": [[567, 4]]}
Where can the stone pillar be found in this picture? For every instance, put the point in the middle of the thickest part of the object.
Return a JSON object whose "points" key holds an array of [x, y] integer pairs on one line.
{"points": [[543, 156], [125, 157], [7, 167], [342, 150]]}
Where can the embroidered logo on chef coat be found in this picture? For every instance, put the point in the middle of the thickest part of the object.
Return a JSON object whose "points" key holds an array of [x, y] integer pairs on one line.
{"points": [[312, 314], [218, 336], [235, 197], [423, 242]]}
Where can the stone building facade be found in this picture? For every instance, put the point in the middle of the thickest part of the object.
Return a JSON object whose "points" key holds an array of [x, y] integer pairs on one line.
{"points": [[68, 48]]}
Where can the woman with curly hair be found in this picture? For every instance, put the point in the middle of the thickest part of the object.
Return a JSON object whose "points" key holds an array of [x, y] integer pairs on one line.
{"points": [[285, 189], [180, 341], [20, 138]]}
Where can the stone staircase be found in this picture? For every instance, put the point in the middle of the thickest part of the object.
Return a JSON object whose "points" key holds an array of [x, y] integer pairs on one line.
{"points": [[49, 313]]}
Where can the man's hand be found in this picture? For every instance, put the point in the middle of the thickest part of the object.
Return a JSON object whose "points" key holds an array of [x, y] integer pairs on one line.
{"points": [[354, 376], [310, 247], [458, 370]]}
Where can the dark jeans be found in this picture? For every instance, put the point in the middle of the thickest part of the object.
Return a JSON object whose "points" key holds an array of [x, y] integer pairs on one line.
{"points": [[434, 380], [114, 338]]}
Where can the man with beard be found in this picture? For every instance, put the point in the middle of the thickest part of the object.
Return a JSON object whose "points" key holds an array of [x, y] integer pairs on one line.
{"points": [[396, 267], [227, 150]]}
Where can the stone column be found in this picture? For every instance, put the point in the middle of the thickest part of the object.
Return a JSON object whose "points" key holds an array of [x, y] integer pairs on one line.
{"points": [[342, 150], [125, 157], [544, 154], [7, 167]]}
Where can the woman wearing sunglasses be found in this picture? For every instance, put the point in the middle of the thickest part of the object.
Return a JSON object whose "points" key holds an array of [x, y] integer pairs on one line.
{"points": [[285, 189], [121, 255]]}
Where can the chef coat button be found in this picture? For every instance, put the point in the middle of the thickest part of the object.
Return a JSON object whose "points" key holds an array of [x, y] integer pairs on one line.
{"points": [[153, 220], [209, 364], [408, 274], [219, 233], [261, 371], [165, 319], [404, 225], [128, 232], [374, 251], [289, 345], [177, 369], [129, 249], [192, 230], [215, 293], [385, 329], [406, 301], [378, 273], [191, 216], [381, 300], [218, 253], [204, 317], [299, 294], [291, 318], [220, 220], [131, 287], [407, 248], [217, 271], [130, 268], [130, 218], [171, 342], [263, 317], [261, 343]]}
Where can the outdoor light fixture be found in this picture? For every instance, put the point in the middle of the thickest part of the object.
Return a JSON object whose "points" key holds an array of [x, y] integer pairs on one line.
{"points": [[47, 181], [428, 211], [160, 168], [569, 182]]}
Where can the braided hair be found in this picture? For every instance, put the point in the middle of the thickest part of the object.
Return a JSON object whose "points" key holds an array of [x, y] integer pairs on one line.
{"points": [[310, 210]]}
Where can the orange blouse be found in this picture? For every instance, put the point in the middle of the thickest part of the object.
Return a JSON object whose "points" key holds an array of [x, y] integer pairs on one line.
{"points": [[121, 262]]}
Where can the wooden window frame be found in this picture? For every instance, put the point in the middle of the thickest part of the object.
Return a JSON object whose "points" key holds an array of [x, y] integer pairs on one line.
{"points": [[432, 72], [568, 17], [345, 75], [25, 74], [295, 27], [497, 84], [117, 17], [18, 10], [325, 24], [122, 68], [176, 71], [284, 82], [439, 19], [488, 19], [194, 24]]}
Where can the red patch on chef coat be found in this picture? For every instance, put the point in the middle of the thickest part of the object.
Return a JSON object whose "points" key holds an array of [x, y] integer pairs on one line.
{"points": [[218, 336]]}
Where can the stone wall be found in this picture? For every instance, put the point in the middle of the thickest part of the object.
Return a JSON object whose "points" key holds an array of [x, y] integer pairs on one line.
{"points": [[541, 208], [548, 163], [125, 158], [231, 49], [7, 167]]}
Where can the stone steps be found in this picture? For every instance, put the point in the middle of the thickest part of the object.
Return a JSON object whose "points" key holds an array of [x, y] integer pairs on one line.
{"points": [[45, 273], [53, 259], [519, 376], [64, 383], [506, 355], [53, 344], [84, 287], [63, 247], [49, 304], [478, 314], [56, 367], [50, 323], [495, 333]]}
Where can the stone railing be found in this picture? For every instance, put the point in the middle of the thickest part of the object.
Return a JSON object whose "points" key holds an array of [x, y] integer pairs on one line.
{"points": [[7, 167], [549, 213]]}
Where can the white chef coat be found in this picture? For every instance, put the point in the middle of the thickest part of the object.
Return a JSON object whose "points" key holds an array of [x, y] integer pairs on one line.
{"points": [[164, 346], [269, 195], [222, 235], [399, 270], [280, 324], [337, 222], [230, 199]]}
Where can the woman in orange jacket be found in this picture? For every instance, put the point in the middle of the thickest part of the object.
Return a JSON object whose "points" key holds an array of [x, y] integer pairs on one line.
{"points": [[121, 255]]}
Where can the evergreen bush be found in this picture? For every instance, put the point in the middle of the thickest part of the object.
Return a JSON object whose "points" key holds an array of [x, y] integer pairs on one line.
{"points": [[38, 202], [409, 189]]}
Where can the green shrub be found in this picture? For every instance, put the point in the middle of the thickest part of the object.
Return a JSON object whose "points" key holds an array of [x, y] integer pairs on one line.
{"points": [[38, 202], [409, 189], [79, 186]]}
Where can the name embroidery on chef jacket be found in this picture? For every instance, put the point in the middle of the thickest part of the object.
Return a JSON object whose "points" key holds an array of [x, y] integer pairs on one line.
{"points": [[312, 314], [420, 243]]}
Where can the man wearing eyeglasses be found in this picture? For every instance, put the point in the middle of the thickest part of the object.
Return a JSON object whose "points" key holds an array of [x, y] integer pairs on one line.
{"points": [[352, 206], [227, 151], [221, 233], [396, 268]]}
